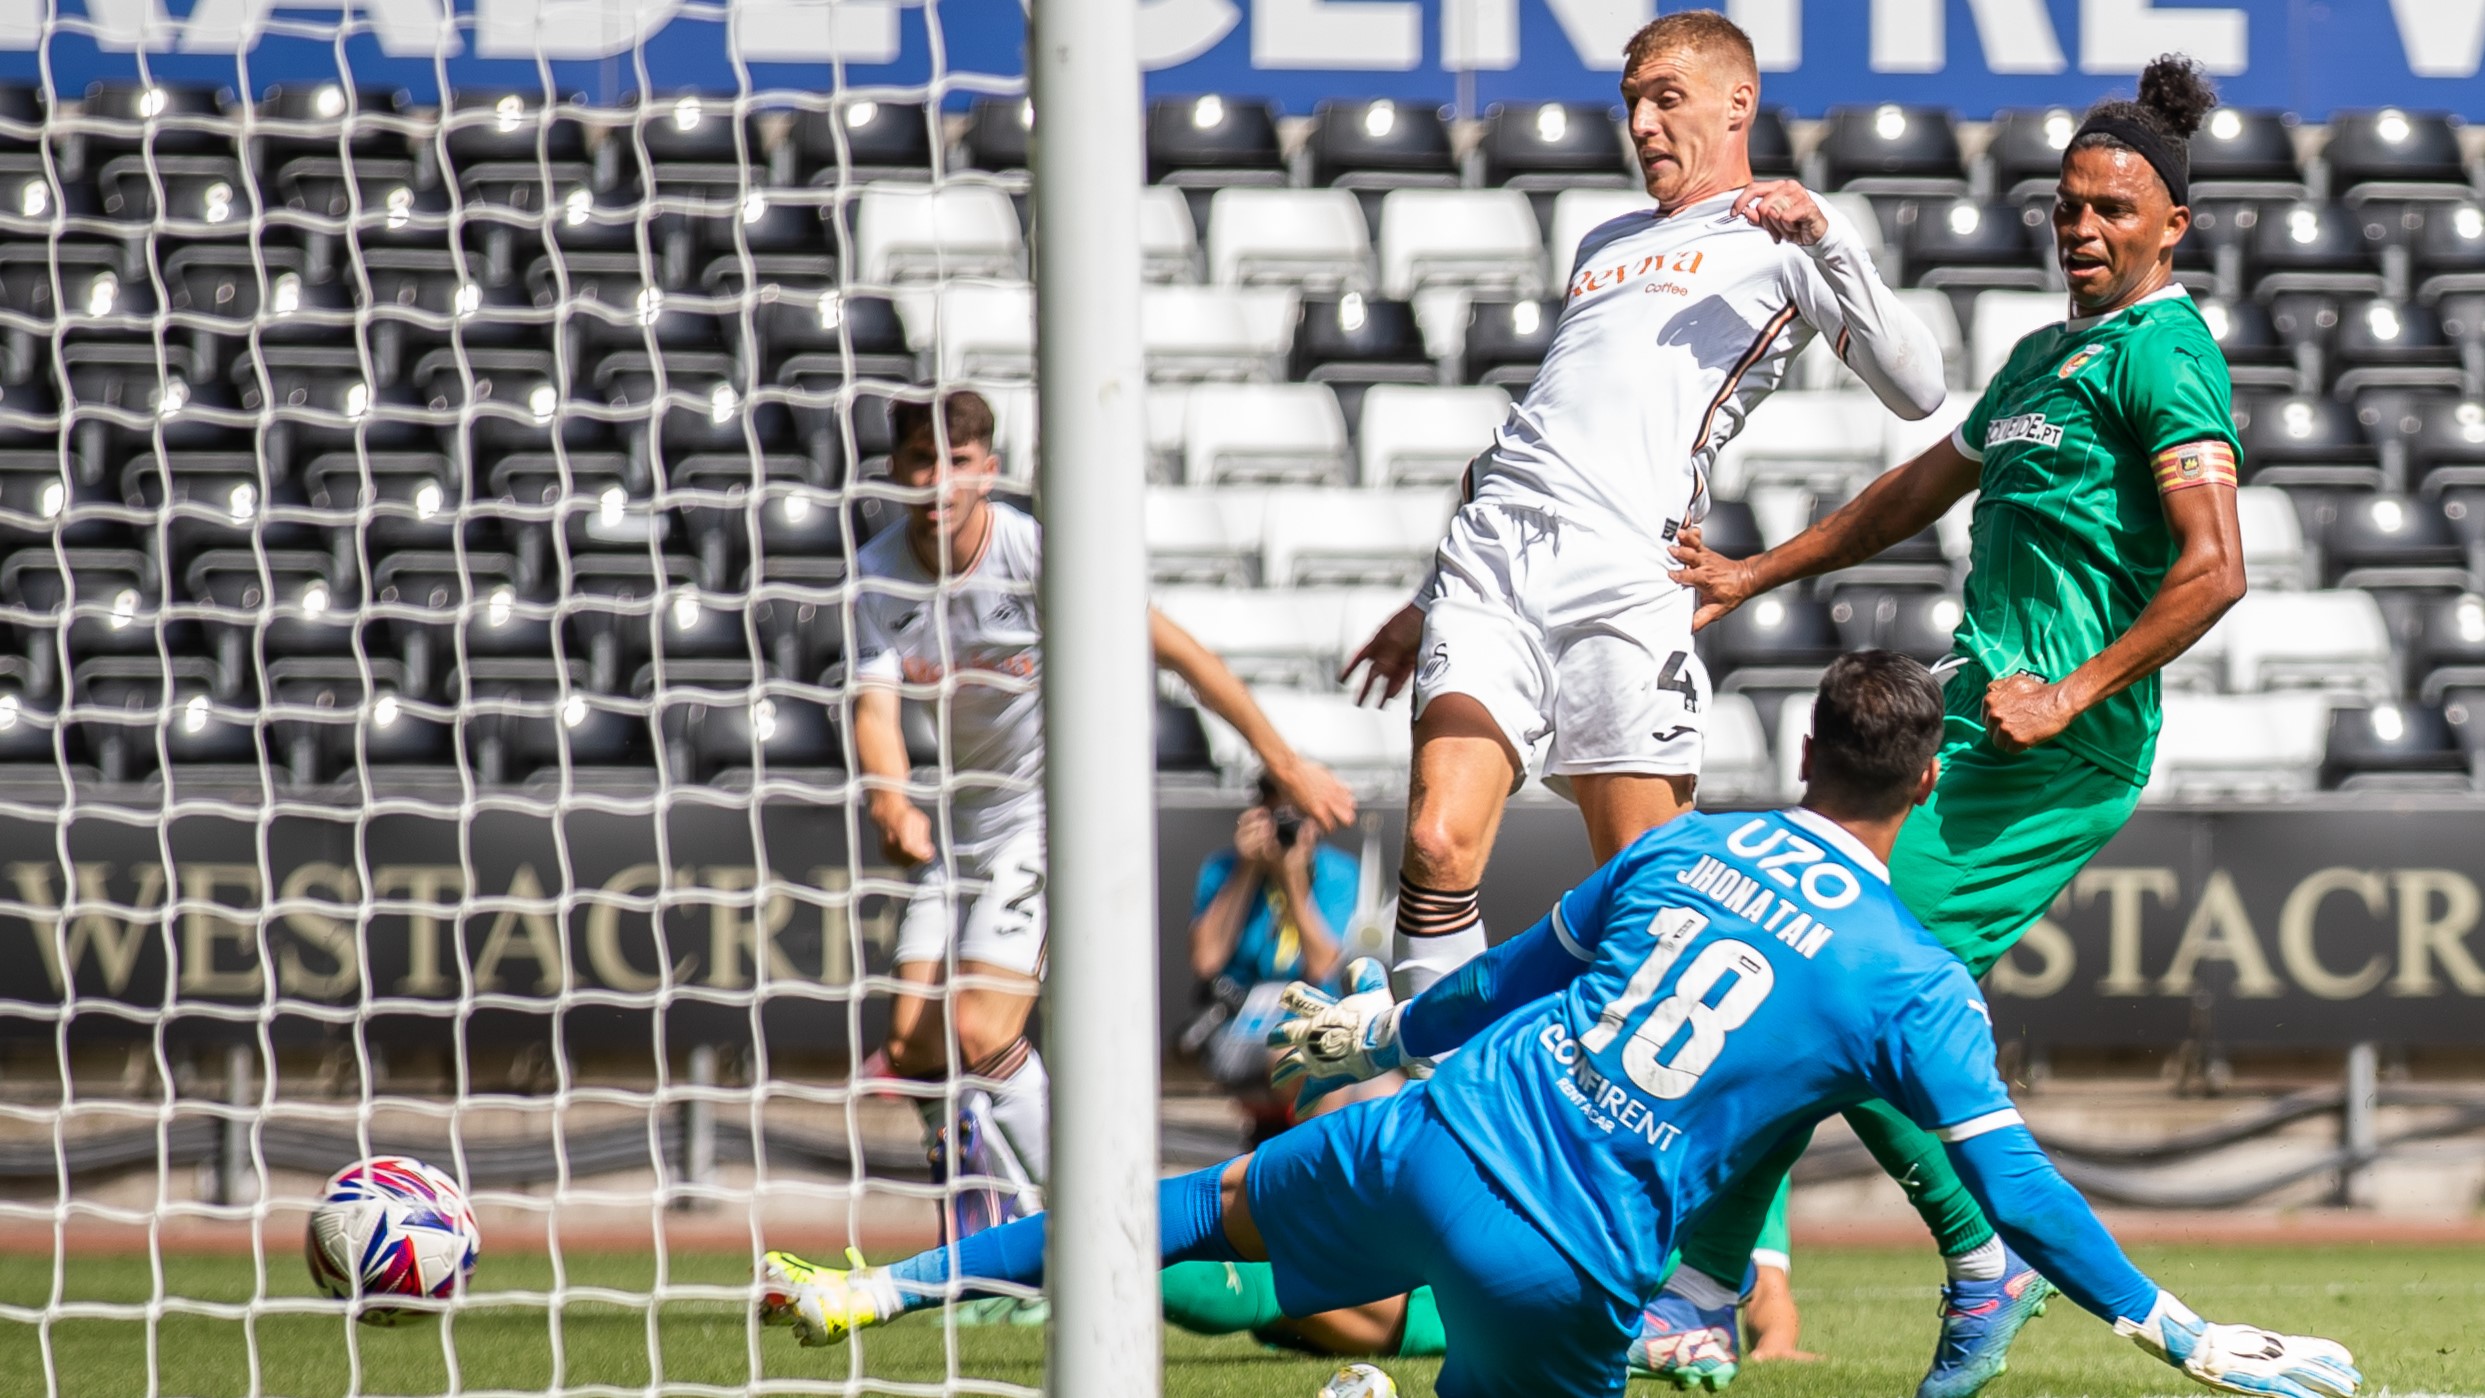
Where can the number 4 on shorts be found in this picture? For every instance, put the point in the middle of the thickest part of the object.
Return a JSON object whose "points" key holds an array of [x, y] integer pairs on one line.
{"points": [[1676, 676]]}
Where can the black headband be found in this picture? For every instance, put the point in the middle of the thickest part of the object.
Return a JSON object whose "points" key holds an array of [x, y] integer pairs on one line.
{"points": [[2170, 165]]}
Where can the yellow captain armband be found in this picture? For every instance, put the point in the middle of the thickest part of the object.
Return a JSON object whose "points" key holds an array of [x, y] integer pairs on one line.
{"points": [[2208, 462]]}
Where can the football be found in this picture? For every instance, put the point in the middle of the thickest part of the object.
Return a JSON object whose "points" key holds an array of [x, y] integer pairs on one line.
{"points": [[1359, 1381], [391, 1226]]}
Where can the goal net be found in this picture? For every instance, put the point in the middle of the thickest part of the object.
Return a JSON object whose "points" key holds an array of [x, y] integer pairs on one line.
{"points": [[433, 455]]}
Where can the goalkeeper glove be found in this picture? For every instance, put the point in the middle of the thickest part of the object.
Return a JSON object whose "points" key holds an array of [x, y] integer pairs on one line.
{"points": [[2243, 1358], [1330, 1042]]}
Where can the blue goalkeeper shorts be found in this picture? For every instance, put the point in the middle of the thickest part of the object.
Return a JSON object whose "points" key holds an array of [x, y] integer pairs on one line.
{"points": [[1380, 1198]]}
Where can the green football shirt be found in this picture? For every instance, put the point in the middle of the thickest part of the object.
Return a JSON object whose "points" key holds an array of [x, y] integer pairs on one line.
{"points": [[2069, 540]]}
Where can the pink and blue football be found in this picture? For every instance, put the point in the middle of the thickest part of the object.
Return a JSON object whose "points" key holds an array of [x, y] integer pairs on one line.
{"points": [[392, 1226]]}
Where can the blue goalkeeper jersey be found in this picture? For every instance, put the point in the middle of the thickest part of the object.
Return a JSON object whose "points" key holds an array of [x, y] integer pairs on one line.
{"points": [[1745, 975]]}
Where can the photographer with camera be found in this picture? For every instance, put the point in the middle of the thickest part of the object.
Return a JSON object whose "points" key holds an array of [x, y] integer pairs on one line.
{"points": [[1269, 910]]}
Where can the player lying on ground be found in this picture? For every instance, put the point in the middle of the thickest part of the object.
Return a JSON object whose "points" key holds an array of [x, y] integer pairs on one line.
{"points": [[1550, 632], [2104, 544], [947, 606], [1225, 1298], [1682, 1016]]}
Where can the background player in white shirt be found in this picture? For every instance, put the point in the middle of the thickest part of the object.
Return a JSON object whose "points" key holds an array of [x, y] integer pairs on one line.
{"points": [[946, 601], [1551, 632]]}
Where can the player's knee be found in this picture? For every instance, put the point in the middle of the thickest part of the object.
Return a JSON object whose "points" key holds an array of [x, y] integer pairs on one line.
{"points": [[1442, 852]]}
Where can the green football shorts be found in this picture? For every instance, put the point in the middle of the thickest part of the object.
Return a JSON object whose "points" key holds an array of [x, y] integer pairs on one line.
{"points": [[2000, 839]]}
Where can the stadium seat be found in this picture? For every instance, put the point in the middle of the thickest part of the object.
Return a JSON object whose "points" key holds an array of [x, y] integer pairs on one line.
{"points": [[1320, 537], [2258, 746], [1264, 432], [2274, 557], [916, 233], [271, 604], [1354, 338], [2393, 154], [1371, 746], [2393, 748], [1181, 741], [1482, 239], [2312, 247], [2255, 356], [737, 513], [1273, 636], [1168, 241], [1915, 621], [2393, 541], [1903, 440], [2447, 648], [2241, 153], [812, 337], [1730, 528], [126, 117], [1827, 440], [1380, 143], [1215, 332], [1313, 239], [1735, 765], [2448, 447], [1555, 145], [320, 120], [1204, 536], [149, 717], [967, 331], [1778, 640], [1964, 244], [1891, 149], [861, 139], [2447, 252], [1769, 143], [2334, 642], [1504, 341], [732, 741], [1999, 320], [1938, 315], [1579, 212], [1789, 718], [2392, 344], [2303, 440], [1213, 141], [535, 721], [1425, 436], [2025, 153], [997, 133]]}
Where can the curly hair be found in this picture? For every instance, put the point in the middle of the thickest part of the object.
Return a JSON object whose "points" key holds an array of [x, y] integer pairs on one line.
{"points": [[2175, 97]]}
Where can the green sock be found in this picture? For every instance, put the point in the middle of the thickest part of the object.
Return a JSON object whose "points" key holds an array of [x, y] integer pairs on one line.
{"points": [[1423, 1333], [1720, 1244], [1220, 1298], [1917, 1161]]}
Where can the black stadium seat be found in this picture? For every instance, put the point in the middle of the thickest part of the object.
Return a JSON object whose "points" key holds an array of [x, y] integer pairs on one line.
{"points": [[2304, 440], [2393, 541], [329, 121], [127, 117], [2025, 152], [1963, 244], [2394, 154], [2446, 650], [1893, 149], [997, 132], [1358, 339], [2311, 247], [1213, 141], [1381, 144], [1555, 145], [1181, 740], [1916, 621], [1506, 340], [859, 140], [2255, 355], [1771, 147], [2243, 153], [2396, 344], [2392, 747], [2447, 449]]}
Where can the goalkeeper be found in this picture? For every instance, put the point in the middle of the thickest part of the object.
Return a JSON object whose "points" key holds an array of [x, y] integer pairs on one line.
{"points": [[2105, 544], [1681, 1018]]}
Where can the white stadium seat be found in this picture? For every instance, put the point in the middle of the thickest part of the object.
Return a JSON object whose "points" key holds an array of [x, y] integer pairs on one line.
{"points": [[1013, 430], [1278, 636], [1482, 239], [1168, 241], [1204, 536], [2238, 745], [1934, 309], [1735, 763], [1316, 537], [1903, 441], [2001, 320], [981, 330], [1168, 406], [1360, 612], [2334, 642], [1369, 746], [1288, 432], [1576, 213], [1215, 332], [1859, 212], [1824, 441], [2274, 556], [906, 232], [1308, 238], [1794, 724], [1412, 434]]}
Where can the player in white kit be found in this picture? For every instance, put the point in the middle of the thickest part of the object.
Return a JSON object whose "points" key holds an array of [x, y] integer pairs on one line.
{"points": [[946, 604], [1550, 633]]}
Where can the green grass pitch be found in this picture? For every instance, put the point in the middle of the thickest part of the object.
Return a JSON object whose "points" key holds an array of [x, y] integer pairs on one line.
{"points": [[2412, 1315]]}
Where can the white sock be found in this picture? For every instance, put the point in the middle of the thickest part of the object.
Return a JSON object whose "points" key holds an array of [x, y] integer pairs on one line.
{"points": [[1701, 1289], [1022, 1109], [1982, 1262], [1417, 962]]}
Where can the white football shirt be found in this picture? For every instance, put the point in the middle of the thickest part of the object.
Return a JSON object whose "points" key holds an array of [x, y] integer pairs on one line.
{"points": [[981, 643], [1672, 327]]}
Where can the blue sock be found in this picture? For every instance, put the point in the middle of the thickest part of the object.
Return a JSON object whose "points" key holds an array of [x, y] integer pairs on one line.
{"points": [[1190, 1213]]}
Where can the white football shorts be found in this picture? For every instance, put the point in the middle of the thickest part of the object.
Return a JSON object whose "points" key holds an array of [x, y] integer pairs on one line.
{"points": [[988, 901], [1579, 647]]}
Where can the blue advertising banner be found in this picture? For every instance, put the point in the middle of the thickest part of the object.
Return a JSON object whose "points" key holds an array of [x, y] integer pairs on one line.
{"points": [[2307, 56]]}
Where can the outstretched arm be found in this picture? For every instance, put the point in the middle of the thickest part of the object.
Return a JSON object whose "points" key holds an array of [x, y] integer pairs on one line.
{"points": [[1312, 788], [1895, 354], [1898, 505]]}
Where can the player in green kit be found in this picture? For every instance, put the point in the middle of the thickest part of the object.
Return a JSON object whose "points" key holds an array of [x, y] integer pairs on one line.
{"points": [[2105, 544]]}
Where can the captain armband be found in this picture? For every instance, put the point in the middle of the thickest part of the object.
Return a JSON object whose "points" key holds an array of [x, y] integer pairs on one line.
{"points": [[2209, 462]]}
